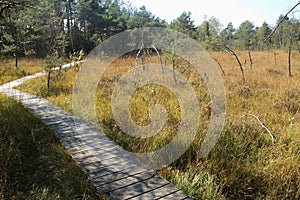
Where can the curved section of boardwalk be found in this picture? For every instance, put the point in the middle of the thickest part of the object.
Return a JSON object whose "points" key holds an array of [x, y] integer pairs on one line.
{"points": [[114, 172]]}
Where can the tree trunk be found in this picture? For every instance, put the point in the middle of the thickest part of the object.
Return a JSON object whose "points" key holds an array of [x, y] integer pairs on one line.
{"points": [[69, 25], [49, 79], [16, 61]]}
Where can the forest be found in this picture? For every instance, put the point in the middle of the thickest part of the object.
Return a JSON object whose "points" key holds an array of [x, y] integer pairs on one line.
{"points": [[62, 27]]}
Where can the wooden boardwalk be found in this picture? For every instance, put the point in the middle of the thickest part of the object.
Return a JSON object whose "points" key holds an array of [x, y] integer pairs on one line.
{"points": [[115, 173]]}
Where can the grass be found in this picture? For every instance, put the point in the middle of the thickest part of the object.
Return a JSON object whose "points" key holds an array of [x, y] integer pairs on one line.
{"points": [[8, 71], [244, 164], [33, 163]]}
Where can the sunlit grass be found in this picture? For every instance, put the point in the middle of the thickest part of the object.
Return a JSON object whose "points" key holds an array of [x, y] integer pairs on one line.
{"points": [[8, 71], [244, 164]]}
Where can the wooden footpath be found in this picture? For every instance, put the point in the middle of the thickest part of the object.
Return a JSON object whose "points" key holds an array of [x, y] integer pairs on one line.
{"points": [[115, 173]]}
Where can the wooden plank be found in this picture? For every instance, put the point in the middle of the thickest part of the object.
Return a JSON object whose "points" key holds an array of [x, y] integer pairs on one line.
{"points": [[158, 193], [73, 134], [139, 188], [124, 184], [84, 147], [107, 169], [119, 175], [95, 161], [176, 195]]}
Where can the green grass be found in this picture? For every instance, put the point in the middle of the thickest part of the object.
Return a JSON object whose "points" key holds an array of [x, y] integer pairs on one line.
{"points": [[244, 164], [8, 71], [34, 165]]}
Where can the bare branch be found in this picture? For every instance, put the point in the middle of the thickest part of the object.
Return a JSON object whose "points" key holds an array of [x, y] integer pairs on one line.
{"points": [[250, 59], [238, 60], [278, 24], [141, 50], [220, 66], [262, 125], [289, 57], [160, 60]]}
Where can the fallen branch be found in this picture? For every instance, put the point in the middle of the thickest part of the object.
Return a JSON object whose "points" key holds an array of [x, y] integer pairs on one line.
{"points": [[263, 126]]}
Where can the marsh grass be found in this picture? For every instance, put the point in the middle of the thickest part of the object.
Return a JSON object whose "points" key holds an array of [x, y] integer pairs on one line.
{"points": [[34, 165], [244, 164], [8, 71]]}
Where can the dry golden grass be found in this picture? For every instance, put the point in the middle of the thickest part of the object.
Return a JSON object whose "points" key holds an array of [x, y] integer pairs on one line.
{"points": [[8, 71], [245, 164]]}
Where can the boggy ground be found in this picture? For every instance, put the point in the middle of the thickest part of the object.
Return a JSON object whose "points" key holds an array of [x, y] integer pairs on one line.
{"points": [[246, 163]]}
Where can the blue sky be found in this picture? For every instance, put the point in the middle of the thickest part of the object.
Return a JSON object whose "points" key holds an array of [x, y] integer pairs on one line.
{"points": [[235, 11]]}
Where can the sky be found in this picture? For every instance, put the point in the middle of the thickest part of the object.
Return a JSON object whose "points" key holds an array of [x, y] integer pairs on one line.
{"points": [[235, 11]]}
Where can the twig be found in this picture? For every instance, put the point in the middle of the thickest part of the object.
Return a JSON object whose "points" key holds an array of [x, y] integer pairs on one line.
{"points": [[263, 126], [278, 24]]}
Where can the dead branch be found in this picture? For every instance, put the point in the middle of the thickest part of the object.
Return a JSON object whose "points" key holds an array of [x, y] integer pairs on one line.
{"points": [[262, 125], [220, 66], [278, 24], [289, 58], [250, 59], [238, 60], [160, 60], [141, 50]]}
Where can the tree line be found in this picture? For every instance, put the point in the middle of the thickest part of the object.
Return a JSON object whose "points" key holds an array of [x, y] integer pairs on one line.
{"points": [[61, 27], [211, 34]]}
